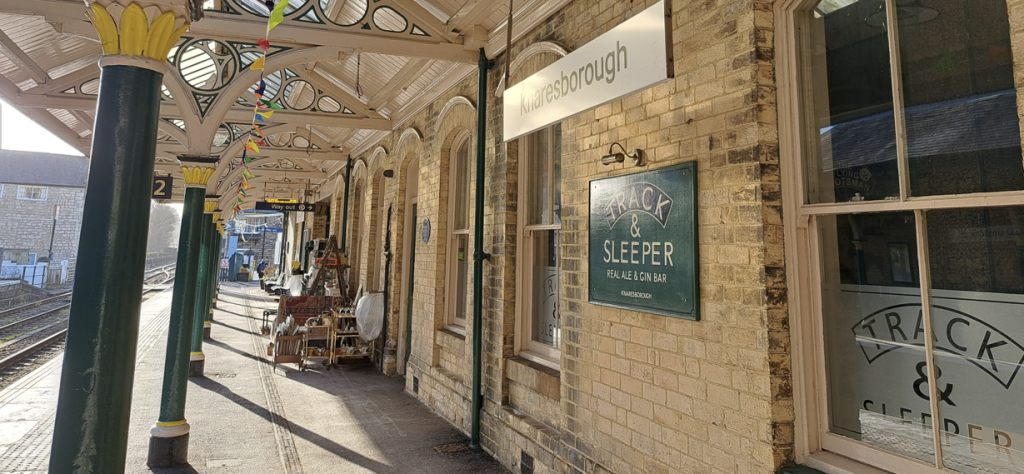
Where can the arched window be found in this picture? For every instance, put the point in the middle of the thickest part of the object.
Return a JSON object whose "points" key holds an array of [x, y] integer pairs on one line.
{"points": [[459, 257]]}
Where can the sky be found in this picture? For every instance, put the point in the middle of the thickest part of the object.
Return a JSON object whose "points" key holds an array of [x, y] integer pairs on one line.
{"points": [[18, 132]]}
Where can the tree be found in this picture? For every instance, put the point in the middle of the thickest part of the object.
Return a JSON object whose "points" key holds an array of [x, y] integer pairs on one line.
{"points": [[163, 228]]}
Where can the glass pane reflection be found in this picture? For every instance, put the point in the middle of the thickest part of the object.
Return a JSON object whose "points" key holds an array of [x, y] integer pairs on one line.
{"points": [[977, 261], [959, 99], [546, 322], [874, 336], [539, 181], [461, 185], [853, 106]]}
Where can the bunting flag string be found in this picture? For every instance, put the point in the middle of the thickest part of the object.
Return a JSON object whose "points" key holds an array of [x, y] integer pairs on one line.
{"points": [[264, 109]]}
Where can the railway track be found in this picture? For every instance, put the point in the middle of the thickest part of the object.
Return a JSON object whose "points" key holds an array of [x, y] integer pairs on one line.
{"points": [[16, 313], [34, 333]]}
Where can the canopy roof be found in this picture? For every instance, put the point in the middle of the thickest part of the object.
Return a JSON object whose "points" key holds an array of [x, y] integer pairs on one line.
{"points": [[347, 72]]}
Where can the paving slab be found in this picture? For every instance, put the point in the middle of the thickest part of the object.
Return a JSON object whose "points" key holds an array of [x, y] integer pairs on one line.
{"points": [[247, 417]]}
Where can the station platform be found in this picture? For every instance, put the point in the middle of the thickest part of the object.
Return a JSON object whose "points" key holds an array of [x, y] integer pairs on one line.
{"points": [[247, 417]]}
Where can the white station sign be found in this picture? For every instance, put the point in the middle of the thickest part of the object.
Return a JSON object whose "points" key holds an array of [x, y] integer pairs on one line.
{"points": [[632, 56]]}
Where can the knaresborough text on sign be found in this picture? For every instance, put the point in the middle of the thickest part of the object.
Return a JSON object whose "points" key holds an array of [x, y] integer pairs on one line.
{"points": [[628, 58], [643, 241]]}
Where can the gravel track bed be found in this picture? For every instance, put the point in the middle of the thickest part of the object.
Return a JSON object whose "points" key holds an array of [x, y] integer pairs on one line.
{"points": [[13, 348], [29, 312], [30, 325], [26, 366]]}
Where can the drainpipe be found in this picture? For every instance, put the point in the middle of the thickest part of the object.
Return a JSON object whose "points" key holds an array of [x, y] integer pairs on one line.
{"points": [[285, 230], [344, 209], [302, 244], [478, 252], [344, 219]]}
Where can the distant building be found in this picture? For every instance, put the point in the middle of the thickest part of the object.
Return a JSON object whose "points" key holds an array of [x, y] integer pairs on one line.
{"points": [[31, 184]]}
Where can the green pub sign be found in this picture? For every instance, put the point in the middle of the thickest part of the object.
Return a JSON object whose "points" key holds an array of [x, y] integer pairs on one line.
{"points": [[643, 241]]}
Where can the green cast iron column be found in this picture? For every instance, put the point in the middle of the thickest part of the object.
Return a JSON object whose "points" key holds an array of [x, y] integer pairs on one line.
{"points": [[211, 280], [478, 252], [168, 442], [214, 263], [196, 359], [94, 404], [209, 227]]}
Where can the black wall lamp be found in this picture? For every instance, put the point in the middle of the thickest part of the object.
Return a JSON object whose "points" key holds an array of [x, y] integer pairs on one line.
{"points": [[637, 156]]}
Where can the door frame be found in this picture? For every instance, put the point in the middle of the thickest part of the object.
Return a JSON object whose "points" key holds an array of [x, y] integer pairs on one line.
{"points": [[408, 265]]}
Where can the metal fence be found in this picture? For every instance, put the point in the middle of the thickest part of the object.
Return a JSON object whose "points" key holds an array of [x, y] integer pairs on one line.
{"points": [[34, 275]]}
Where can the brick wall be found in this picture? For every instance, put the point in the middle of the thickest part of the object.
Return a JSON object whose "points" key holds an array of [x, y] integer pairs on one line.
{"points": [[636, 392], [28, 224]]}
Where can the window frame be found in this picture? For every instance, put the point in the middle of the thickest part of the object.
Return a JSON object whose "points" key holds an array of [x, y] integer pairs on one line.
{"points": [[45, 193], [814, 444], [525, 346], [451, 322], [380, 228], [355, 233]]}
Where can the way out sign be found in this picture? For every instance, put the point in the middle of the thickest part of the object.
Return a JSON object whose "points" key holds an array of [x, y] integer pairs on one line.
{"points": [[643, 242]]}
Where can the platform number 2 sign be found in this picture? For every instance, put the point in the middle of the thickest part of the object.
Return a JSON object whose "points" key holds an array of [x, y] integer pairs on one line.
{"points": [[162, 187]]}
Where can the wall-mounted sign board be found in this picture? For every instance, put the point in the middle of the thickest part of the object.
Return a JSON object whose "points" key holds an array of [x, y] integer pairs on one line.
{"points": [[162, 187], [643, 241], [293, 207], [633, 56]]}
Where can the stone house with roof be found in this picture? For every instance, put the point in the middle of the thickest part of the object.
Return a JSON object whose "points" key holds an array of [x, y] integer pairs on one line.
{"points": [[31, 186]]}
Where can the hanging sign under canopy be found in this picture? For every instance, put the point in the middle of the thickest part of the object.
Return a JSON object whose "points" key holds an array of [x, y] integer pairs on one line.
{"points": [[633, 56], [293, 207]]}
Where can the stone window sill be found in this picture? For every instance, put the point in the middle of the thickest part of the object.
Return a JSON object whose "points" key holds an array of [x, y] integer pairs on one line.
{"points": [[457, 331], [536, 377], [830, 463]]}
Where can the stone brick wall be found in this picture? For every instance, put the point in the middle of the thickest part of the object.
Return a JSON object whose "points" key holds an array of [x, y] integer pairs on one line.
{"points": [[635, 392], [27, 224]]}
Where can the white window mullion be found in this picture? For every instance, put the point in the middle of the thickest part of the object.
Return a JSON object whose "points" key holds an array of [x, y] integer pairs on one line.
{"points": [[925, 275], [953, 201], [896, 77], [551, 175]]}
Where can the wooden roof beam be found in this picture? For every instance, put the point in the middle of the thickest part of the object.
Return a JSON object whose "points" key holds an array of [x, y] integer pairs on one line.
{"points": [[236, 114], [219, 24], [422, 18], [169, 149], [472, 13], [406, 75], [319, 80], [10, 91], [22, 59], [66, 81], [233, 27]]}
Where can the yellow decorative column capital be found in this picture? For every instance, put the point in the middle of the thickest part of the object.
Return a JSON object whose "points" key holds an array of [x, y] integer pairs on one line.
{"points": [[197, 170], [147, 29]]}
